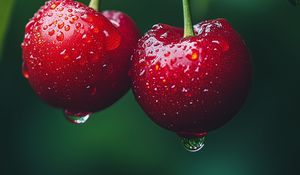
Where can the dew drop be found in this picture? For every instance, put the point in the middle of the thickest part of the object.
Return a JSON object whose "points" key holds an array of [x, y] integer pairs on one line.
{"points": [[173, 61], [25, 71], [63, 52], [45, 27], [49, 14], [61, 25], [87, 38], [77, 25], [77, 117], [157, 67], [184, 90], [194, 56], [71, 21], [53, 6], [106, 33], [60, 36], [51, 32], [67, 28], [60, 9], [96, 30], [78, 58], [193, 144], [167, 54], [142, 72], [75, 18], [87, 18]]}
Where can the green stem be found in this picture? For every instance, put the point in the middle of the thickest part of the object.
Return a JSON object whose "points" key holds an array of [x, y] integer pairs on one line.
{"points": [[188, 24], [94, 4]]}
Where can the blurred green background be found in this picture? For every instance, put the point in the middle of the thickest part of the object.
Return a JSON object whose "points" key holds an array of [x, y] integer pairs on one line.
{"points": [[263, 139]]}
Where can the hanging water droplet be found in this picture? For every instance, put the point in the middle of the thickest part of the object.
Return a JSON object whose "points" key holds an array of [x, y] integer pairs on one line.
{"points": [[77, 117], [193, 144]]}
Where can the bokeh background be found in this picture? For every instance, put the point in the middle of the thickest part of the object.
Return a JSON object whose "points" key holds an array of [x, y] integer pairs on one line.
{"points": [[263, 139]]}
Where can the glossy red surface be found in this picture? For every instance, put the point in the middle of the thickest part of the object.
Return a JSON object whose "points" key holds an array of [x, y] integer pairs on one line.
{"points": [[191, 85], [75, 58]]}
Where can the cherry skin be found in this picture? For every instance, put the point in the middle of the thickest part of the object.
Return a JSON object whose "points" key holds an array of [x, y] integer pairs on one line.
{"points": [[76, 58], [191, 85]]}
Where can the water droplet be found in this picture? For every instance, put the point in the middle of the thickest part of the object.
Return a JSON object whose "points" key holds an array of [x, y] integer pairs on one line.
{"points": [[71, 21], [60, 36], [87, 38], [167, 54], [75, 18], [77, 117], [78, 58], [67, 28], [108, 68], [49, 14], [61, 25], [25, 71], [63, 52], [77, 25], [142, 72], [184, 90], [173, 61], [54, 5], [194, 56], [106, 33], [51, 32], [45, 27], [113, 39], [157, 67], [87, 18], [60, 9], [193, 144], [96, 30]]}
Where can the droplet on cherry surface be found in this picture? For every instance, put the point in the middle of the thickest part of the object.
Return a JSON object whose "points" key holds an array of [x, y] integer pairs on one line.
{"points": [[77, 117], [193, 144], [25, 71]]}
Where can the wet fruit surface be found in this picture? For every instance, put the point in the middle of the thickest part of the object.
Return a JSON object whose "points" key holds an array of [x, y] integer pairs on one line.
{"points": [[74, 57], [191, 85]]}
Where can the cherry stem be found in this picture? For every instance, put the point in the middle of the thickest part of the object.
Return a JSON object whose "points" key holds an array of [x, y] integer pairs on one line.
{"points": [[94, 4], [188, 24]]}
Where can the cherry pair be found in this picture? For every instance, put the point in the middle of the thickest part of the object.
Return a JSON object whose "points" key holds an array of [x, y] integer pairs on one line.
{"points": [[189, 82]]}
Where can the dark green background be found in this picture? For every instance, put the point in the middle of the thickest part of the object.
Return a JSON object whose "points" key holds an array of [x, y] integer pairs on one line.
{"points": [[263, 139]]}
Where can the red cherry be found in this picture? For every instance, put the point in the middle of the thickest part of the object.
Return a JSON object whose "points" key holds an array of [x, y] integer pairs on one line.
{"points": [[77, 59], [191, 85]]}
